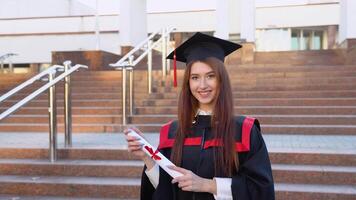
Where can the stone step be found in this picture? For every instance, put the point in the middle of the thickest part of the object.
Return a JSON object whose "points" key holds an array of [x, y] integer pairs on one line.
{"points": [[78, 96], [313, 158], [347, 101], [110, 128], [265, 87], [237, 72], [20, 197], [261, 68], [253, 86], [278, 129], [76, 119], [115, 90], [114, 128], [162, 89], [291, 157], [71, 154], [243, 110], [129, 188], [314, 192], [259, 110], [314, 70], [75, 110], [82, 168], [158, 119], [243, 78], [241, 94], [302, 80], [297, 74], [94, 187], [304, 174], [269, 102], [240, 83], [314, 174], [264, 119], [275, 94]]}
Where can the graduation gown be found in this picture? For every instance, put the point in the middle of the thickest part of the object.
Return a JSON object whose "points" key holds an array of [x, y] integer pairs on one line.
{"points": [[253, 180]]}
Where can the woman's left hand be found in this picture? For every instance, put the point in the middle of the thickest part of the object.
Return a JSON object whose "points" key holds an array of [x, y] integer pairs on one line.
{"points": [[191, 182]]}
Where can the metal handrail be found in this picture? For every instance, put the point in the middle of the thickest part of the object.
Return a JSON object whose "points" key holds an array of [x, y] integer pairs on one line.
{"points": [[39, 91], [50, 86], [124, 60], [30, 81], [128, 62], [3, 58]]}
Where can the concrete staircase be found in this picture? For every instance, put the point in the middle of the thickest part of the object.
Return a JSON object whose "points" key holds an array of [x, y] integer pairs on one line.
{"points": [[289, 101], [84, 173]]}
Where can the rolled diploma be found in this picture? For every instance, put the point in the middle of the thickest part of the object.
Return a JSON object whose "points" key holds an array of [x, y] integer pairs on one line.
{"points": [[163, 162]]}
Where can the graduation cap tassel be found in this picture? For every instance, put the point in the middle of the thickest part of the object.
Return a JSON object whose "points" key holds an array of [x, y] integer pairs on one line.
{"points": [[175, 69]]}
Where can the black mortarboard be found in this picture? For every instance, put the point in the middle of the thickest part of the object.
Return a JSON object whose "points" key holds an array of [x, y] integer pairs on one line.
{"points": [[201, 46]]}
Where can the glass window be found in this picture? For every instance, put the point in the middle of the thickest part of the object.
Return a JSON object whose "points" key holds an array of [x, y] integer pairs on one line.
{"points": [[317, 40], [295, 39]]}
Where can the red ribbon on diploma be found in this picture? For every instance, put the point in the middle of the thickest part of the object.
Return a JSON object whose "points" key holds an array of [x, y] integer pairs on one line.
{"points": [[153, 154]]}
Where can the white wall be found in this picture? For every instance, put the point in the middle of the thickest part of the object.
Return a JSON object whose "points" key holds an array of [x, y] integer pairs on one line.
{"points": [[105, 7], [184, 15], [189, 21], [57, 25], [159, 6], [48, 25], [132, 22], [44, 35], [234, 16], [347, 28], [297, 16], [42, 8], [37, 48], [274, 3]]}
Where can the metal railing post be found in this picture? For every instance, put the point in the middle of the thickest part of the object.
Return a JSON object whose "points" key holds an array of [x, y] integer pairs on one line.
{"points": [[131, 58], [164, 49], [149, 66], [52, 120], [131, 90], [124, 95], [2, 66], [11, 69], [67, 107]]}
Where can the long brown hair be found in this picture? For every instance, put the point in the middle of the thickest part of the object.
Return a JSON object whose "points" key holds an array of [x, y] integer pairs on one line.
{"points": [[223, 125]]}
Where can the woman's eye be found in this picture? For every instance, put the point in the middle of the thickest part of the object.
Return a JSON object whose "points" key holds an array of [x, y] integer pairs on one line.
{"points": [[210, 76], [194, 78]]}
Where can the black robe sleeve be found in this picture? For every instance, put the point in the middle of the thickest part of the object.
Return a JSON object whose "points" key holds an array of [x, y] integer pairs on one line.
{"points": [[254, 180], [147, 188], [164, 188]]}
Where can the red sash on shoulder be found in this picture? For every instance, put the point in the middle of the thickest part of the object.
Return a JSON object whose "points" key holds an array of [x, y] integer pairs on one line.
{"points": [[241, 146]]}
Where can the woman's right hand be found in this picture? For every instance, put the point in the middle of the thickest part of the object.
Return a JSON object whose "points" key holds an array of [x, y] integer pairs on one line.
{"points": [[134, 145]]}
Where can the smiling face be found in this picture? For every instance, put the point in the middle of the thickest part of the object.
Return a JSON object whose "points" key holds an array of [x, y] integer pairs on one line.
{"points": [[203, 85]]}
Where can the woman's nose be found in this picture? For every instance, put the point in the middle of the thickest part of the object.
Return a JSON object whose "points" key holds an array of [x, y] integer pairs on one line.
{"points": [[203, 83]]}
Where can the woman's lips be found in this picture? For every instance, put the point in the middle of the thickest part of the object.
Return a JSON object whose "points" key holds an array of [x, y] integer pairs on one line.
{"points": [[204, 94]]}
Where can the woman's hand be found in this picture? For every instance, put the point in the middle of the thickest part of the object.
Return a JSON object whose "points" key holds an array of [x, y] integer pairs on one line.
{"points": [[135, 147], [191, 182]]}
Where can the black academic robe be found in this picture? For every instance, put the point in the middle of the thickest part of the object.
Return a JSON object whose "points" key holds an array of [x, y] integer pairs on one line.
{"points": [[253, 180]]}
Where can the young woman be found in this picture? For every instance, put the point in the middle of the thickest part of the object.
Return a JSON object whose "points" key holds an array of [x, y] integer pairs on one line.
{"points": [[220, 156]]}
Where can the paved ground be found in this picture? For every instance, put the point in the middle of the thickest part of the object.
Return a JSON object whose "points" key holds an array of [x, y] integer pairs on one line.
{"points": [[275, 143]]}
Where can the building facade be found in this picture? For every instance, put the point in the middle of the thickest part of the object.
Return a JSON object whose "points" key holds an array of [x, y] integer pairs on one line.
{"points": [[33, 29]]}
